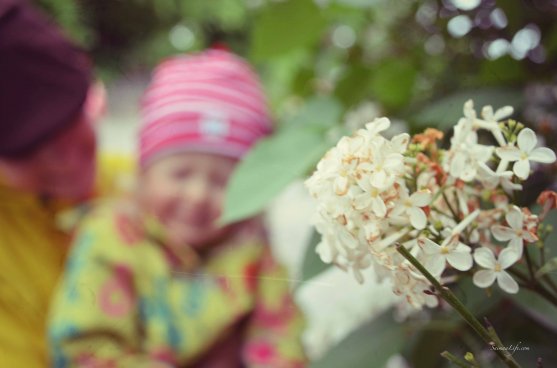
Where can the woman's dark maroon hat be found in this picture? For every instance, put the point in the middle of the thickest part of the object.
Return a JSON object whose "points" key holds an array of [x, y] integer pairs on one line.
{"points": [[44, 79]]}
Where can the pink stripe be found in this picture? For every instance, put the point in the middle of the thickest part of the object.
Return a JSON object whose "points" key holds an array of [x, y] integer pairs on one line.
{"points": [[221, 67], [218, 65], [198, 106], [153, 103], [188, 123], [243, 84], [177, 144], [226, 150], [247, 98]]}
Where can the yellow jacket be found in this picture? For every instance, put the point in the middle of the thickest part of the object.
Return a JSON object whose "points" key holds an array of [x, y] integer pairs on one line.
{"points": [[126, 300], [33, 249]]}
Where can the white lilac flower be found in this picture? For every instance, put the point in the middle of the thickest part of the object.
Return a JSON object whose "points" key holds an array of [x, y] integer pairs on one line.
{"points": [[365, 204], [451, 250], [515, 233], [412, 286], [371, 198], [491, 121], [377, 126], [411, 206], [383, 170], [525, 152], [492, 179], [462, 160], [495, 269], [500, 114]]}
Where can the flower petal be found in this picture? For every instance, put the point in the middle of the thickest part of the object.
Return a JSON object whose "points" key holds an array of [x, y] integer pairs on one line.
{"points": [[340, 185], [508, 153], [522, 168], [484, 278], [393, 161], [487, 112], [418, 218], [378, 179], [514, 218], [508, 257], [429, 246], [378, 207], [347, 239], [378, 125], [362, 201], [529, 237], [421, 198], [458, 165], [503, 112], [468, 109], [435, 264], [507, 283], [502, 233], [527, 140], [325, 252], [400, 142], [517, 245], [460, 260], [543, 155], [358, 275], [484, 257]]}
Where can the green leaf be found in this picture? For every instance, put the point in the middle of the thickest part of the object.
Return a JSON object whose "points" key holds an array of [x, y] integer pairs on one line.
{"points": [[369, 346], [321, 112], [269, 168], [429, 341], [279, 74], [548, 267], [550, 41], [476, 300], [363, 4], [354, 85], [393, 82], [501, 71], [280, 159], [284, 26], [538, 308], [445, 112], [312, 264]]}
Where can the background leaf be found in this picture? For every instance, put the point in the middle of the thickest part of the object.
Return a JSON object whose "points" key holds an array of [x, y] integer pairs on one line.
{"points": [[393, 82], [284, 26], [276, 161], [446, 111], [312, 264], [369, 346]]}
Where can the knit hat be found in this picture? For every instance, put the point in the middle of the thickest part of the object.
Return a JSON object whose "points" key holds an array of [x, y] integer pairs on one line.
{"points": [[206, 102], [43, 79]]}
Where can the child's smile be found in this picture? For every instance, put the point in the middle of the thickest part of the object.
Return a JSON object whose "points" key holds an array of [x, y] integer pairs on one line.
{"points": [[185, 192]]}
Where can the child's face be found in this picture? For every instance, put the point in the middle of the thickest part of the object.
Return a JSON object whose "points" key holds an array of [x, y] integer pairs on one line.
{"points": [[185, 192]]}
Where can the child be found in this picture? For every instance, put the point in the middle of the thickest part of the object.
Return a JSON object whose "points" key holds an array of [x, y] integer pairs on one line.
{"points": [[158, 283]]}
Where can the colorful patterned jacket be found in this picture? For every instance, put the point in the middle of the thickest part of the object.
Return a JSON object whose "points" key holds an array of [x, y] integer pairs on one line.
{"points": [[125, 301]]}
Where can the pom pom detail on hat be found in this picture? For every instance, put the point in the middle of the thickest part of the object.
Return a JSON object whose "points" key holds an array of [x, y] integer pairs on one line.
{"points": [[207, 102]]}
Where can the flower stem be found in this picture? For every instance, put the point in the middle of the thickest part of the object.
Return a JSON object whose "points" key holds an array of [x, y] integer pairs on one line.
{"points": [[545, 277], [529, 262], [461, 309], [455, 360], [550, 282], [455, 216]]}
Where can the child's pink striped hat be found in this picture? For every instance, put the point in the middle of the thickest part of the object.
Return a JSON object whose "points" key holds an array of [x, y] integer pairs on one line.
{"points": [[207, 102]]}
